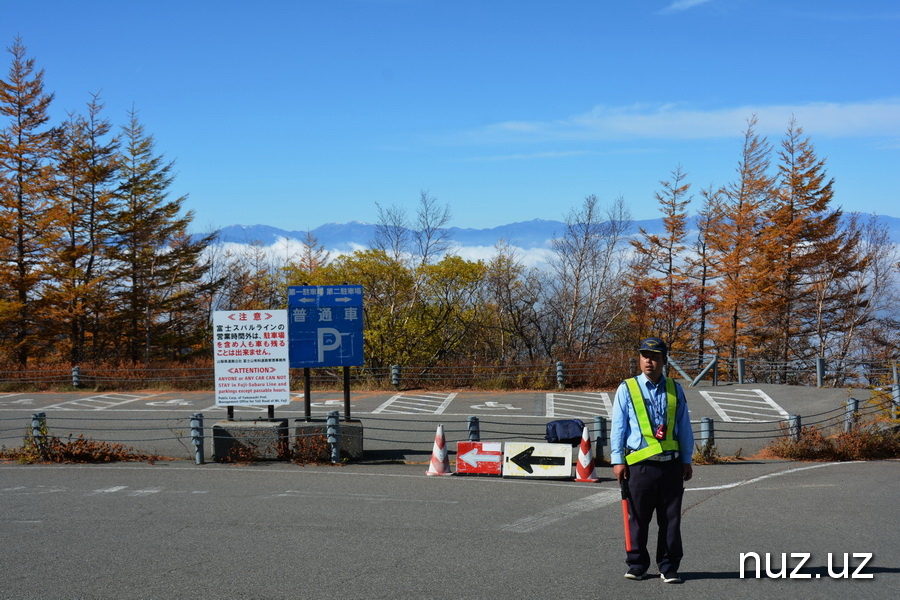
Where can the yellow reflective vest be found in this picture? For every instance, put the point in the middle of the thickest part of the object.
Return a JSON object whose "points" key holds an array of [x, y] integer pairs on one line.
{"points": [[654, 446]]}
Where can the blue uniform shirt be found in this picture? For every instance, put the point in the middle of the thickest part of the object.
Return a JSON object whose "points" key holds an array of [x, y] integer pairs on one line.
{"points": [[626, 431]]}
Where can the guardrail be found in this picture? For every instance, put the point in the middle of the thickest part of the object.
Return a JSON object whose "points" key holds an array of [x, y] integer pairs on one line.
{"points": [[558, 374], [403, 437]]}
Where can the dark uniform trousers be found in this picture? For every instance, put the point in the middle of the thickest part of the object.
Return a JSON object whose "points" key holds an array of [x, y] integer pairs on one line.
{"points": [[655, 486]]}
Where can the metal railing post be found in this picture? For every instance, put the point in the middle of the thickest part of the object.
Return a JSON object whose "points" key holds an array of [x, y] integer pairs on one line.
{"points": [[600, 435], [197, 437], [794, 427], [39, 431], [333, 431], [820, 371], [698, 378], [707, 432], [474, 430], [395, 376], [560, 375], [742, 369], [850, 414]]}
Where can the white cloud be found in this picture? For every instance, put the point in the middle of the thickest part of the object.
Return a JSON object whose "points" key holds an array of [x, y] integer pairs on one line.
{"points": [[532, 257], [876, 118], [682, 5]]}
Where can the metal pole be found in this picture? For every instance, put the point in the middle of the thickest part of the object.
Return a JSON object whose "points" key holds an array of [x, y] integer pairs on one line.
{"points": [[197, 437], [600, 435], [896, 393], [38, 431], [707, 432], [698, 378], [474, 429], [850, 415], [76, 377], [307, 401], [333, 431], [346, 393], [794, 427], [560, 375], [742, 369], [820, 371]]}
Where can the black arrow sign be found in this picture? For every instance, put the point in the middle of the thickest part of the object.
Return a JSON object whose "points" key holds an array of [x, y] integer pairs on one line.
{"points": [[525, 460]]}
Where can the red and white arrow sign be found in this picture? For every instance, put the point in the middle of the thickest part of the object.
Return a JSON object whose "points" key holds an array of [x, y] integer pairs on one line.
{"points": [[484, 458]]}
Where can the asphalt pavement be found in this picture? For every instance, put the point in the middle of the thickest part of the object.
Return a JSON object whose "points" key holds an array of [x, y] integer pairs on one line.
{"points": [[381, 528], [277, 530]]}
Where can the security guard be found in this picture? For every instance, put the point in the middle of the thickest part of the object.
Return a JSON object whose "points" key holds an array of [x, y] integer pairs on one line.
{"points": [[651, 449]]}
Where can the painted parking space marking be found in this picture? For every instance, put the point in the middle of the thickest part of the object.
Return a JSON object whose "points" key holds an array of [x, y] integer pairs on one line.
{"points": [[173, 403], [11, 400], [744, 406], [416, 403], [563, 512], [583, 404], [100, 402]]}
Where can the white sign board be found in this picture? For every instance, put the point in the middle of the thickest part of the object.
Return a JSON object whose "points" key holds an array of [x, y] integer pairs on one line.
{"points": [[251, 357], [530, 459]]}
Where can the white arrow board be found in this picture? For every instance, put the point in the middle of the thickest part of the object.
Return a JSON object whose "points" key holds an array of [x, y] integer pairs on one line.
{"points": [[531, 459]]}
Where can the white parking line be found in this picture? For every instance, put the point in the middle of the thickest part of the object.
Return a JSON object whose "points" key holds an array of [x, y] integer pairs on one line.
{"points": [[585, 404], [562, 512], [411, 404], [747, 406], [101, 402]]}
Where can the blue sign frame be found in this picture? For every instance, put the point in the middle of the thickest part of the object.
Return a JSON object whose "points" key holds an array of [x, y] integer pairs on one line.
{"points": [[325, 326]]}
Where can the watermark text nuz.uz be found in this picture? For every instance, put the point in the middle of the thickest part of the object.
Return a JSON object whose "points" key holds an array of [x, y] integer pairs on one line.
{"points": [[792, 568]]}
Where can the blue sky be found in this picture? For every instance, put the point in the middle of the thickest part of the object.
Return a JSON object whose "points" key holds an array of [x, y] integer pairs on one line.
{"points": [[300, 113]]}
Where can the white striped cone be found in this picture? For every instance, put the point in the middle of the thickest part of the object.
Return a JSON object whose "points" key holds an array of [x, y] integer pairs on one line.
{"points": [[440, 462], [584, 470]]}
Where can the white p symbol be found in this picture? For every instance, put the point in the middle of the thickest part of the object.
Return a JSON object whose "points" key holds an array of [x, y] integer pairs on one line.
{"points": [[323, 347]]}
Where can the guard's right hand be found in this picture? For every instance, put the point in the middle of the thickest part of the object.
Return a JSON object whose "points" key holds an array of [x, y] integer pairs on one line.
{"points": [[621, 472]]}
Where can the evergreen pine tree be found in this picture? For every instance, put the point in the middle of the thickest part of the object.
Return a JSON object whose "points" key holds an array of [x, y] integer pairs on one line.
{"points": [[159, 266]]}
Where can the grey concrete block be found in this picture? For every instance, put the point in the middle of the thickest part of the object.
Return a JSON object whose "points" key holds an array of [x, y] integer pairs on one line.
{"points": [[258, 439], [311, 434]]}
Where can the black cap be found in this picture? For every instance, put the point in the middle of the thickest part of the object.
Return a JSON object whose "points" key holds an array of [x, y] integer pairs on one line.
{"points": [[653, 344]]}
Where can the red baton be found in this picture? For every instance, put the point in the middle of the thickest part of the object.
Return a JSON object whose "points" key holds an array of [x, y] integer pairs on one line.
{"points": [[624, 485]]}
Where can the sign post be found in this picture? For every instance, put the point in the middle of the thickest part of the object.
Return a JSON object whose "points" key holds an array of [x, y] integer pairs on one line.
{"points": [[325, 329], [251, 358]]}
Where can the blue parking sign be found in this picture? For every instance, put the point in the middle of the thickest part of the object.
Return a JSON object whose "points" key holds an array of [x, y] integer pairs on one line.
{"points": [[325, 325]]}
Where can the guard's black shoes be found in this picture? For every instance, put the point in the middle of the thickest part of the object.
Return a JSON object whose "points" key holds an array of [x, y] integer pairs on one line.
{"points": [[636, 574], [670, 577]]}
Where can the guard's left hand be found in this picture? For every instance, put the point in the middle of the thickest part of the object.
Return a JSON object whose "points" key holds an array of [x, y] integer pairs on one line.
{"points": [[687, 471]]}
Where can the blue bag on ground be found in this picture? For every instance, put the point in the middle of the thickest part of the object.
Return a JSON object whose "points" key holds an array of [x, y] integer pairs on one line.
{"points": [[565, 431]]}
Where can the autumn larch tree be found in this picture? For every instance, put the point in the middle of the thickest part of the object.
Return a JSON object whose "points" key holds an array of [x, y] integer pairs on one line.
{"points": [[735, 241], [802, 234], [87, 159], [29, 215]]}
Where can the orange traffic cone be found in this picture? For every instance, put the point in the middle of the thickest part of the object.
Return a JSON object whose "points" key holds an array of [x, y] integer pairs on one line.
{"points": [[585, 470], [440, 463]]}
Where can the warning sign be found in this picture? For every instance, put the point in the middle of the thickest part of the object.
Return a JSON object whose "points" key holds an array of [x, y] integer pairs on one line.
{"points": [[251, 357], [479, 458], [529, 459]]}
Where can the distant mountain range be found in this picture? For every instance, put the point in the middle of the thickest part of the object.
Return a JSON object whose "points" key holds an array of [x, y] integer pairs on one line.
{"points": [[527, 235]]}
